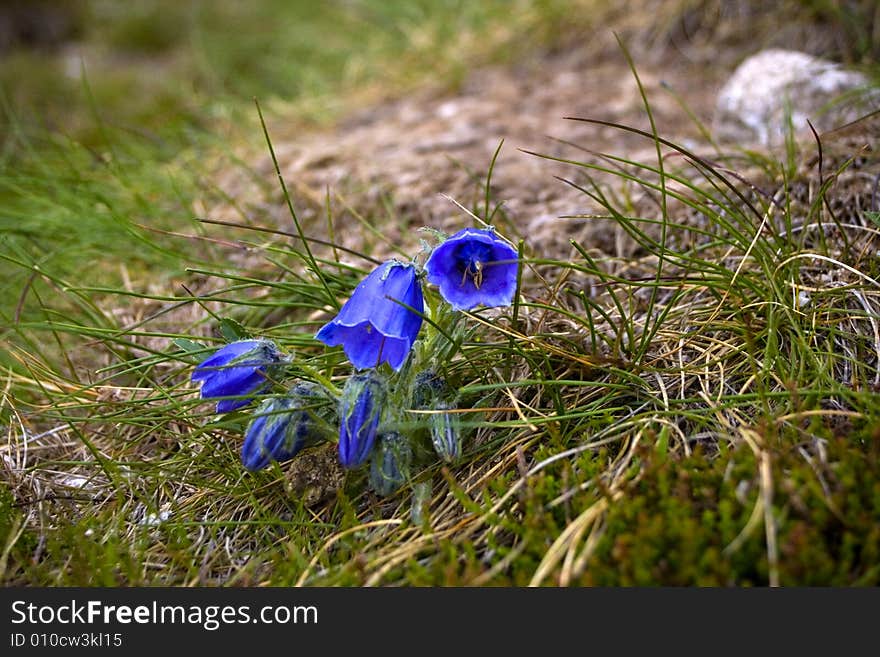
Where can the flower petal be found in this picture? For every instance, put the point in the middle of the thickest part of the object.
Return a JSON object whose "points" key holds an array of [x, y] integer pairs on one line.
{"points": [[362, 399], [229, 405], [222, 357], [232, 381], [253, 456]]}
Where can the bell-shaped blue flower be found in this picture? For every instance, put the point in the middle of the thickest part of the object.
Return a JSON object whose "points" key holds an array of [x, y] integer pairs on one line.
{"points": [[373, 327], [283, 426], [389, 467], [474, 267], [359, 414], [239, 370]]}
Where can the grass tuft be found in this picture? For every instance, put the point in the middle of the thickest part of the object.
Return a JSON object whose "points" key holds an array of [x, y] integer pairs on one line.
{"points": [[697, 407]]}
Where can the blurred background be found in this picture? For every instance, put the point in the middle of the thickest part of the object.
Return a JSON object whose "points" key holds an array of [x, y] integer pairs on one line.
{"points": [[157, 66]]}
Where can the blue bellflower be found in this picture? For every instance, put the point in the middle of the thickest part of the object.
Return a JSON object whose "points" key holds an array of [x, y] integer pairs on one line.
{"points": [[240, 369], [474, 267], [373, 327], [359, 415], [283, 426]]}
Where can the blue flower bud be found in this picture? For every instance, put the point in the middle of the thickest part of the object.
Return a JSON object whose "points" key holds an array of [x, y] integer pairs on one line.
{"points": [[474, 267], [445, 433], [431, 392], [389, 467], [360, 411], [428, 388], [282, 426], [240, 370]]}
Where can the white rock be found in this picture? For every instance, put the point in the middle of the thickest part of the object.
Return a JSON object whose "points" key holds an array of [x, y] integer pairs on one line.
{"points": [[752, 105]]}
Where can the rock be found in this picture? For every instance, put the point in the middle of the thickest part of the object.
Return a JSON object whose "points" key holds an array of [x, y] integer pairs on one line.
{"points": [[38, 23], [315, 475], [752, 105]]}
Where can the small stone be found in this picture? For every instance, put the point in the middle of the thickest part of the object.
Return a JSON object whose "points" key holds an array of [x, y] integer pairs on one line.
{"points": [[753, 104], [315, 475]]}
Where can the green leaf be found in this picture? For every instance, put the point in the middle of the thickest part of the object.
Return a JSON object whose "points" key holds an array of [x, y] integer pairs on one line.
{"points": [[194, 352], [232, 330], [189, 346]]}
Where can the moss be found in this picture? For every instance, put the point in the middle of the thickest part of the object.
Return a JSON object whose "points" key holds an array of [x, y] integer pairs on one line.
{"points": [[675, 524], [8, 513], [20, 544], [680, 517]]}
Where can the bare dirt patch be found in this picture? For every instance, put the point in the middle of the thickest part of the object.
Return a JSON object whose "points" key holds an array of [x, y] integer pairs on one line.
{"points": [[396, 163]]}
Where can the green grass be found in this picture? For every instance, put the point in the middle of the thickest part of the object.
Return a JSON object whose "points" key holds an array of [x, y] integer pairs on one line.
{"points": [[113, 142], [683, 416]]}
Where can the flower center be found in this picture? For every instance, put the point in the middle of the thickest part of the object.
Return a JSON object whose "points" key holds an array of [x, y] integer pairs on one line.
{"points": [[471, 258]]}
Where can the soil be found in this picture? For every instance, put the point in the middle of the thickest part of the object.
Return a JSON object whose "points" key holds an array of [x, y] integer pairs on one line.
{"points": [[409, 159]]}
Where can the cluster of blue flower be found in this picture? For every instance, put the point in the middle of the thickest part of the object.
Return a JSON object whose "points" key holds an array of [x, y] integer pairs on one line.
{"points": [[377, 326]]}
